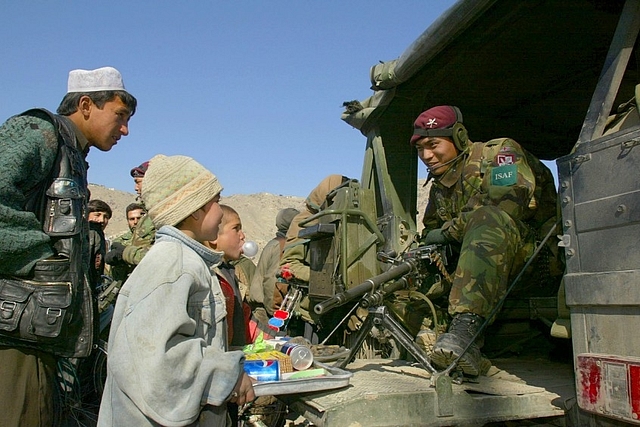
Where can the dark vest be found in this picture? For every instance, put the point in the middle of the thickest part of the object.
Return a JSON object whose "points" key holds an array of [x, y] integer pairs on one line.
{"points": [[60, 204]]}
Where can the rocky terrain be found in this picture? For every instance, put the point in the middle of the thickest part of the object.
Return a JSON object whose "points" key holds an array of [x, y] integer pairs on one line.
{"points": [[257, 211]]}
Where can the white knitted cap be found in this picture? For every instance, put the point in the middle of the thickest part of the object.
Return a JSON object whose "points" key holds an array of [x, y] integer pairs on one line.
{"points": [[105, 78], [174, 187]]}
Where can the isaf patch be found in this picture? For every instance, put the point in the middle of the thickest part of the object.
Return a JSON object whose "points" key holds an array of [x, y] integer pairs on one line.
{"points": [[504, 175]]}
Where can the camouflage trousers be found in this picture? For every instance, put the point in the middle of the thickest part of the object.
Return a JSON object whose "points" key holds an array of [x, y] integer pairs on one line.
{"points": [[493, 250]]}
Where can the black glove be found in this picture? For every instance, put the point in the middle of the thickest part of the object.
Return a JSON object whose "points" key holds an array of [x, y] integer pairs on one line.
{"points": [[435, 237], [114, 256]]}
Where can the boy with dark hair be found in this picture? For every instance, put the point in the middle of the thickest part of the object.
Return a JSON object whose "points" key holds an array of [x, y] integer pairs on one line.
{"points": [[99, 215], [99, 212], [230, 240], [42, 164]]}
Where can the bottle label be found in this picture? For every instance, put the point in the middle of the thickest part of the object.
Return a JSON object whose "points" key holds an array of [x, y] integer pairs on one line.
{"points": [[287, 348]]}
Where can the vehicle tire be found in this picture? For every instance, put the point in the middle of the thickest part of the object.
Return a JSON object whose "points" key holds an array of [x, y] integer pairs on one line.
{"points": [[100, 368]]}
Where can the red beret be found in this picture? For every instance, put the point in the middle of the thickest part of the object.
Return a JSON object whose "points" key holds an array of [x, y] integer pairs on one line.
{"points": [[440, 117], [139, 171]]}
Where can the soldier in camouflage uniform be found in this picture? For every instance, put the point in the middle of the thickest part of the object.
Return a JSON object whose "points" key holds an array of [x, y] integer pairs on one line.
{"points": [[134, 213], [491, 201], [120, 269], [144, 234]]}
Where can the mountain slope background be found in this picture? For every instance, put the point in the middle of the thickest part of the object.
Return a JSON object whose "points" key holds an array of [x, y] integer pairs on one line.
{"points": [[257, 211]]}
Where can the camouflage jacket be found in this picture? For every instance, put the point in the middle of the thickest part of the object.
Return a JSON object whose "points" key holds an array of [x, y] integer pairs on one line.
{"points": [[121, 270], [124, 239], [294, 256], [144, 235], [500, 173]]}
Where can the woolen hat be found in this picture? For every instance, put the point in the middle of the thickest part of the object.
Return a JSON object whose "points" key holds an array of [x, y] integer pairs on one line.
{"points": [[440, 117], [174, 187], [283, 220], [139, 171], [105, 78]]}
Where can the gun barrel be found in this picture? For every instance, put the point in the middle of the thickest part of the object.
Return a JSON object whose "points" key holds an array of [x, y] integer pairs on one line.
{"points": [[375, 298], [364, 287]]}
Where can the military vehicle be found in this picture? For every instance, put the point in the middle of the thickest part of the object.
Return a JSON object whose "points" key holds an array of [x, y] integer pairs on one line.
{"points": [[561, 78]]}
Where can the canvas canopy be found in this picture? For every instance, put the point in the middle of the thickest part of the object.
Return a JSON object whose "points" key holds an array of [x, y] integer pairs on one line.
{"points": [[526, 70]]}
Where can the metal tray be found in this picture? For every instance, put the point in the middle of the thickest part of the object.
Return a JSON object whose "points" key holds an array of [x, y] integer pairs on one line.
{"points": [[337, 378]]}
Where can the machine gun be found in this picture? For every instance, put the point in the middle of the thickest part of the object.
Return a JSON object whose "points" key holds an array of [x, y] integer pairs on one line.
{"points": [[413, 265]]}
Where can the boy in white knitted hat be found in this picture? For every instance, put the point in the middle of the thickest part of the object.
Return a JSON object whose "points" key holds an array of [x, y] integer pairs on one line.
{"points": [[168, 358]]}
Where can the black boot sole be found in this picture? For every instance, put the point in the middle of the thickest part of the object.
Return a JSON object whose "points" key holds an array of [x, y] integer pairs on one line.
{"points": [[443, 358], [447, 349]]}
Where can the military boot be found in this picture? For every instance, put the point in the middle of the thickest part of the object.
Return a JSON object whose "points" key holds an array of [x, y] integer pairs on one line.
{"points": [[425, 339], [450, 345]]}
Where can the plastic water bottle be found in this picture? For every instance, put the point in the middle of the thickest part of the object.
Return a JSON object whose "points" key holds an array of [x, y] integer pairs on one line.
{"points": [[250, 248]]}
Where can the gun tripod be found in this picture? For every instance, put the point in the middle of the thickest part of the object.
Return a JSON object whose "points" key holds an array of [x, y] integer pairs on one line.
{"points": [[380, 317]]}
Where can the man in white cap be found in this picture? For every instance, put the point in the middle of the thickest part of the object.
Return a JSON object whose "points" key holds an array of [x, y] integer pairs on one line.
{"points": [[44, 237]]}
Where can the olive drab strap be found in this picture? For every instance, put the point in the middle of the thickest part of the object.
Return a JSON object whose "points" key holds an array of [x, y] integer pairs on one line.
{"points": [[483, 154]]}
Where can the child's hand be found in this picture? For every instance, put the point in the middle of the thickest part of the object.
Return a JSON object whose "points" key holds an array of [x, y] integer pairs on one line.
{"points": [[243, 391]]}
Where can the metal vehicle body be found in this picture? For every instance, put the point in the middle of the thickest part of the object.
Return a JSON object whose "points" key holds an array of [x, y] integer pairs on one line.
{"points": [[547, 74]]}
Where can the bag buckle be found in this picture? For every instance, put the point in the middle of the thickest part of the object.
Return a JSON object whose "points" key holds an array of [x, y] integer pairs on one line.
{"points": [[7, 307], [53, 314]]}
